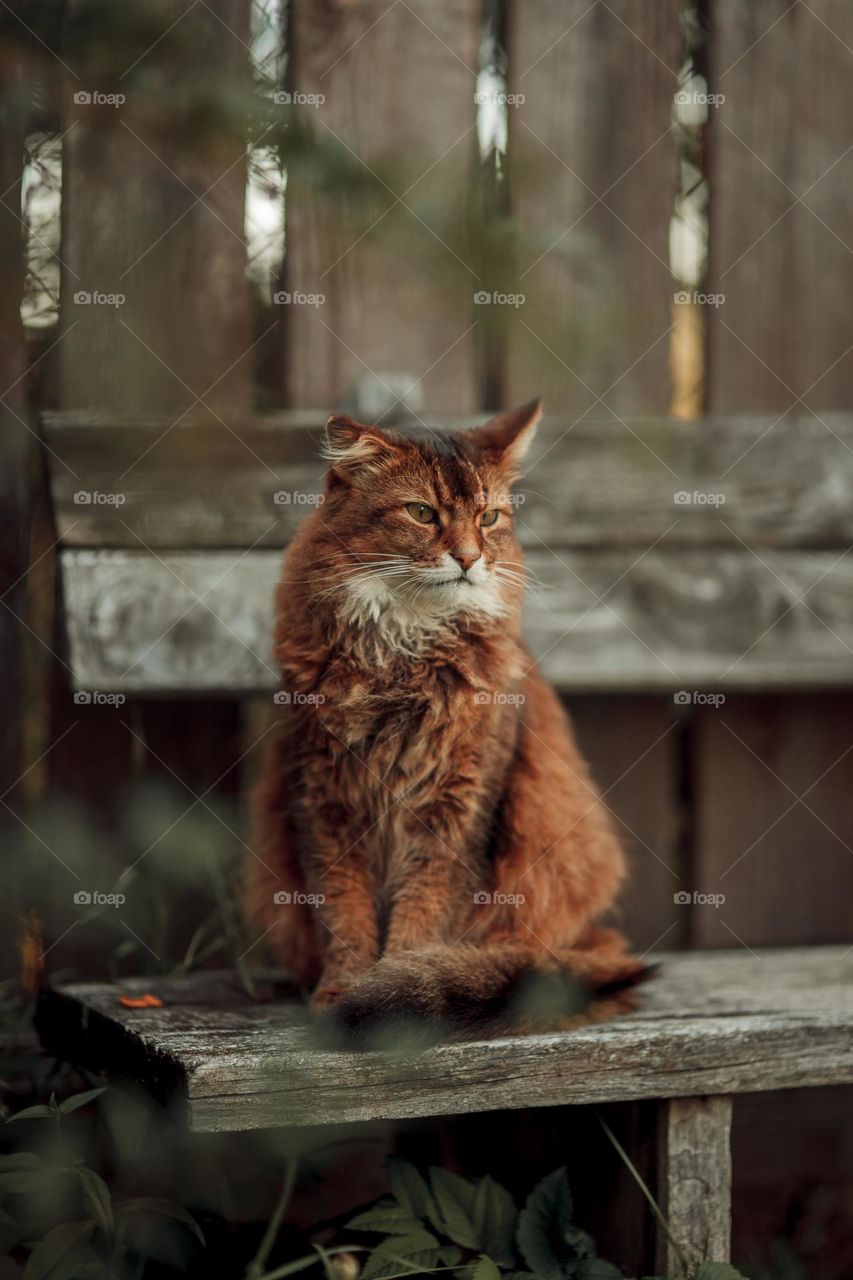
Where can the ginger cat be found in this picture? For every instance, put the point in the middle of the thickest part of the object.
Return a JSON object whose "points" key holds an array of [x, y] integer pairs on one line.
{"points": [[428, 834]]}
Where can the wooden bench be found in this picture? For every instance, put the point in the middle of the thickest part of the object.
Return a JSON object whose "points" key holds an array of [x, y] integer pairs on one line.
{"points": [[170, 544]]}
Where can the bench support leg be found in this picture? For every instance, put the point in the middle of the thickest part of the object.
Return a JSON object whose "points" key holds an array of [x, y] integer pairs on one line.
{"points": [[695, 1181]]}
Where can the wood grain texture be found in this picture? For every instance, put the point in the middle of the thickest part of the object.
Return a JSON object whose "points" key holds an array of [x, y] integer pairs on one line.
{"points": [[153, 199], [784, 864], [710, 1024], [684, 623], [695, 1180], [591, 179], [632, 744], [595, 483], [781, 178], [396, 275]]}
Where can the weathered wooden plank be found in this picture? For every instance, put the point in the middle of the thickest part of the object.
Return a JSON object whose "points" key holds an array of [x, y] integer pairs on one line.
{"points": [[762, 754], [383, 241], [782, 205], [597, 483], [684, 623], [153, 206], [592, 188], [695, 1181], [709, 1024], [632, 745]]}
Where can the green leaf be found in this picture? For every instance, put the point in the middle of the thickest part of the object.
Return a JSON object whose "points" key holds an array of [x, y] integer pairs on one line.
{"points": [[397, 1253], [716, 1271], [454, 1197], [164, 1208], [41, 1112], [21, 1181], [449, 1255], [543, 1224], [485, 1269], [388, 1217], [62, 1254], [580, 1242], [17, 1160], [78, 1100], [495, 1219], [98, 1198], [410, 1189], [597, 1269]]}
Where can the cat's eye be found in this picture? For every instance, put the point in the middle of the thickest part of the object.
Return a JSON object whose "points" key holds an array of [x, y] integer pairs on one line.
{"points": [[489, 517], [421, 512]]}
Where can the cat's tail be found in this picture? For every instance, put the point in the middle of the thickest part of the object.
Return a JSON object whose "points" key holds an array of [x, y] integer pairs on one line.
{"points": [[496, 987]]}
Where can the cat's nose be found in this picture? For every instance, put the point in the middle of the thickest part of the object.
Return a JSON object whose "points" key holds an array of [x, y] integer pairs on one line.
{"points": [[466, 556]]}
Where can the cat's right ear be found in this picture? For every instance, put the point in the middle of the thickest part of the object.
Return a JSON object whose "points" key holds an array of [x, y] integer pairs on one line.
{"points": [[350, 445]]}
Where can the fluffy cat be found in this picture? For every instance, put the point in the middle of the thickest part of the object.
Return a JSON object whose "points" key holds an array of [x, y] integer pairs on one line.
{"points": [[427, 833]]}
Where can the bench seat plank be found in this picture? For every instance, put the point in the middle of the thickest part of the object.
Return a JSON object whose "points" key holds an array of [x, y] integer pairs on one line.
{"points": [[711, 1023]]}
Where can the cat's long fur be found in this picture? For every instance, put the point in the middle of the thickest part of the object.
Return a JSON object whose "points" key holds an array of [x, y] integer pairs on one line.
{"points": [[424, 809]]}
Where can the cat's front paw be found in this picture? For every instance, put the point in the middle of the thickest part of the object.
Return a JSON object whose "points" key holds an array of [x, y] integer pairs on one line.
{"points": [[326, 996]]}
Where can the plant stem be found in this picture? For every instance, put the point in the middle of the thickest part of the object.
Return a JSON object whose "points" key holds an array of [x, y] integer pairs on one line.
{"points": [[255, 1268]]}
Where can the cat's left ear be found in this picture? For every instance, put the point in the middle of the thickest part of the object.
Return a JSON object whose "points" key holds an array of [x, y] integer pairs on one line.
{"points": [[509, 435]]}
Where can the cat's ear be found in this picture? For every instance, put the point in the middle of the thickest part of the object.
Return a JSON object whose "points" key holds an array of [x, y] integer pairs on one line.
{"points": [[509, 435], [351, 444]]}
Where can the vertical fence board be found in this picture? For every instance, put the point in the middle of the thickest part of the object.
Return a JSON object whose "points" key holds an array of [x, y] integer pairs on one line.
{"points": [[153, 196], [632, 748], [592, 188], [399, 113], [781, 175], [786, 869], [597, 88]]}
